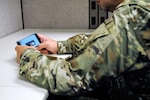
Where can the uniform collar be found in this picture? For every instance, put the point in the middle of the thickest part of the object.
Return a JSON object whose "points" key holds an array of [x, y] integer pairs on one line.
{"points": [[125, 2]]}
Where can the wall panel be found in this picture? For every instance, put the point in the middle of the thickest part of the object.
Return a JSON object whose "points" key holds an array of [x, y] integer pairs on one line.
{"points": [[56, 13], [10, 17]]}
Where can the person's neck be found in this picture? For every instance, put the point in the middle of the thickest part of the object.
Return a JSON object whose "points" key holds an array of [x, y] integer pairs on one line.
{"points": [[115, 4]]}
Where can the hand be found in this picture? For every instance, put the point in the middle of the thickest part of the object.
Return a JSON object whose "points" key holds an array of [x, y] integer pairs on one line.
{"points": [[19, 49], [47, 45]]}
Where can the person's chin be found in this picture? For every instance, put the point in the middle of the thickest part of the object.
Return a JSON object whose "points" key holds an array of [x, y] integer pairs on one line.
{"points": [[102, 8]]}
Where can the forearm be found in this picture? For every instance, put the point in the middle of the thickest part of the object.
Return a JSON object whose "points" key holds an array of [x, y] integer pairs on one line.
{"points": [[72, 44], [55, 74], [29, 68], [50, 73]]}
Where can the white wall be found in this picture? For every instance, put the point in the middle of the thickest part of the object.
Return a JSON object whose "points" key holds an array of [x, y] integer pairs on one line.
{"points": [[10, 17], [56, 13]]}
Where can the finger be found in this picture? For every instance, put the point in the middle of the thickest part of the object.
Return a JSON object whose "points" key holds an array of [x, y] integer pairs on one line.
{"points": [[42, 38], [41, 46], [31, 47], [16, 47], [44, 52], [39, 35]]}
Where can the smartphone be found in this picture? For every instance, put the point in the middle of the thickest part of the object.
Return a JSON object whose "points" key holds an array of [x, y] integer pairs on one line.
{"points": [[31, 40]]}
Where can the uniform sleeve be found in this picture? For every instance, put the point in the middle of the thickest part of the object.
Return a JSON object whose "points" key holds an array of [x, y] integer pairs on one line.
{"points": [[135, 18], [56, 74], [60, 76], [72, 44]]}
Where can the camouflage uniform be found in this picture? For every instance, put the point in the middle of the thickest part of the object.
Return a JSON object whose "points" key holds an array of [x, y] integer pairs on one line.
{"points": [[109, 50]]}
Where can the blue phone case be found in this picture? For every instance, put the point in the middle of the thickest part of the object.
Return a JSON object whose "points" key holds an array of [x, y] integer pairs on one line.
{"points": [[31, 40]]}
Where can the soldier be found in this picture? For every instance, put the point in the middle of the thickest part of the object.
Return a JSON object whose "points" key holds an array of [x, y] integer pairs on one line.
{"points": [[118, 45]]}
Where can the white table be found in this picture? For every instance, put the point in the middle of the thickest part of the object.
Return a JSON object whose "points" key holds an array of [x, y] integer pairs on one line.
{"points": [[12, 87]]}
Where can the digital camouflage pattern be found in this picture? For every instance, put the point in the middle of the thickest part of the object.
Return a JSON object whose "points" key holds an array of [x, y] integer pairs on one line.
{"points": [[109, 50]]}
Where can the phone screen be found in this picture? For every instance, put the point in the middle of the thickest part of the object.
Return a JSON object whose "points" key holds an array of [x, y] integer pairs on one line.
{"points": [[31, 40]]}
